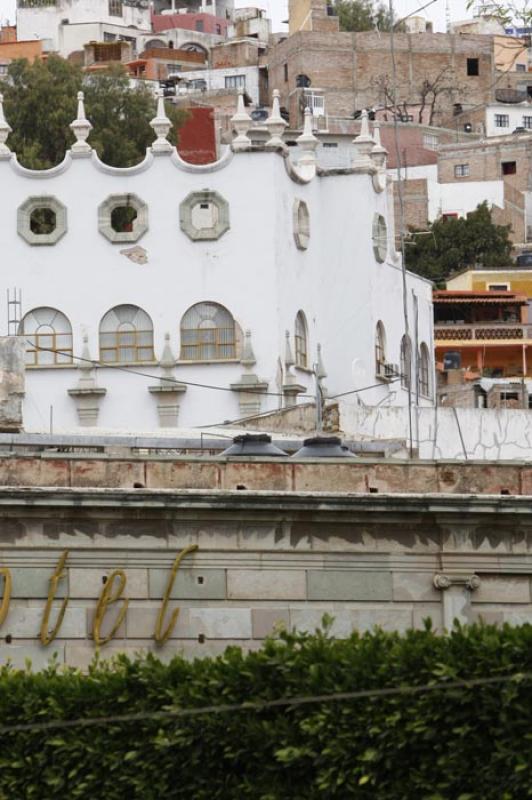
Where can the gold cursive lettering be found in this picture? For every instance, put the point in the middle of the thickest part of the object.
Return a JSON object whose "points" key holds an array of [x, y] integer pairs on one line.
{"points": [[107, 598], [160, 636], [4, 607], [48, 636]]}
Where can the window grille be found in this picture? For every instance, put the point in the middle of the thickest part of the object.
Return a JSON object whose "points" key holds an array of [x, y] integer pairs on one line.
{"points": [[527, 123], [301, 340], [406, 362], [208, 333], [380, 349], [115, 8], [126, 336], [235, 81], [502, 120], [461, 170], [424, 371], [48, 336]]}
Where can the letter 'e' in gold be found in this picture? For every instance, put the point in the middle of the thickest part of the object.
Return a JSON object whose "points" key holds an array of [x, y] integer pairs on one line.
{"points": [[160, 636], [107, 598]]}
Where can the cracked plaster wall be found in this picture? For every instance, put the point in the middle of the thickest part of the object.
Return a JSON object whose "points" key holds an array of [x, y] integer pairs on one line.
{"points": [[448, 433]]}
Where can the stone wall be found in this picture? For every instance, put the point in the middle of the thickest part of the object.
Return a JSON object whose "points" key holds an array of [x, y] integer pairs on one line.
{"points": [[262, 559], [215, 473], [12, 383]]}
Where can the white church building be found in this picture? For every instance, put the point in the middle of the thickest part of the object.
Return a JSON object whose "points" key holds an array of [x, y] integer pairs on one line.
{"points": [[169, 294]]}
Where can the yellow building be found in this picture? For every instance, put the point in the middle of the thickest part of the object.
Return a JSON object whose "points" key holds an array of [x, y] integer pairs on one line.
{"points": [[510, 279]]}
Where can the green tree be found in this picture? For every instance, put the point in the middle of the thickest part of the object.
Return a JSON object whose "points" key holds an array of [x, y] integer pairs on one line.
{"points": [[362, 15], [511, 11], [455, 244], [40, 104]]}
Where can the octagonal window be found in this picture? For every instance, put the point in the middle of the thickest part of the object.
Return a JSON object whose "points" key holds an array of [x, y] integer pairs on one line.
{"points": [[123, 218], [42, 220], [204, 215]]}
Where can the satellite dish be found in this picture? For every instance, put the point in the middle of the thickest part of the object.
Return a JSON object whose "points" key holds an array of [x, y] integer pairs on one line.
{"points": [[259, 115]]}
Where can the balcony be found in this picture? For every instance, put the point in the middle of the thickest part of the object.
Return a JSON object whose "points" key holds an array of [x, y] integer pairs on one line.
{"points": [[482, 333]]}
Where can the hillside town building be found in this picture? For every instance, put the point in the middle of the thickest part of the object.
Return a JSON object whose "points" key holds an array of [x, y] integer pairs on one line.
{"points": [[198, 276]]}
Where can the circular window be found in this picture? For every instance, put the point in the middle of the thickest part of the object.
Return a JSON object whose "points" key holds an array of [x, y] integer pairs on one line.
{"points": [[380, 238]]}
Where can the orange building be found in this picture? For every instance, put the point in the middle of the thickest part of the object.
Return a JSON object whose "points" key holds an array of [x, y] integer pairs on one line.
{"points": [[157, 63], [10, 50], [487, 331]]}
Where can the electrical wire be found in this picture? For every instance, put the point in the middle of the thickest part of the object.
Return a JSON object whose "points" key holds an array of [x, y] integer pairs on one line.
{"points": [[152, 377], [261, 705]]}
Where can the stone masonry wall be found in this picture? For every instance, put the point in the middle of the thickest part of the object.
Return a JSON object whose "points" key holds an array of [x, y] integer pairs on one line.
{"points": [[263, 559]]}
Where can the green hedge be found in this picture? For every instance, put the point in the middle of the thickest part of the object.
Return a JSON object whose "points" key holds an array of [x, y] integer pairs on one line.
{"points": [[472, 743]]}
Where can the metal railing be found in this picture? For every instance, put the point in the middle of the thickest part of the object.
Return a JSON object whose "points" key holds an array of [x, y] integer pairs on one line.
{"points": [[477, 332]]}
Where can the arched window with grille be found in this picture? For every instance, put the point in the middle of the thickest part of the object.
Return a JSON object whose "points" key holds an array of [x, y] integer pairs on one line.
{"points": [[424, 371], [208, 333], [126, 336], [406, 362], [48, 335], [301, 340], [380, 350]]}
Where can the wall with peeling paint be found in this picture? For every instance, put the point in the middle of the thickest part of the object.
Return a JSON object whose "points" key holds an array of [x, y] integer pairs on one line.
{"points": [[448, 433]]}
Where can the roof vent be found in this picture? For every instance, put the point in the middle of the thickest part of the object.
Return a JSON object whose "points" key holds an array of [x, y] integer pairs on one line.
{"points": [[323, 447], [253, 444]]}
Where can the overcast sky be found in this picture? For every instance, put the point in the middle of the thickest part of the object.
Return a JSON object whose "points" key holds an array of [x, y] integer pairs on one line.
{"points": [[277, 10]]}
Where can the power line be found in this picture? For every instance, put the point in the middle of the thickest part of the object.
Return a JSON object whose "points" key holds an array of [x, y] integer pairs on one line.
{"points": [[130, 371], [260, 705]]}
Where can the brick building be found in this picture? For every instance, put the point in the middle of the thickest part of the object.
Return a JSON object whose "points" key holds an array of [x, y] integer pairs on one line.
{"points": [[355, 69]]}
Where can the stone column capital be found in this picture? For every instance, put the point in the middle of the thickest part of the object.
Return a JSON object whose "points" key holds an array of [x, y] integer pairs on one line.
{"points": [[444, 580]]}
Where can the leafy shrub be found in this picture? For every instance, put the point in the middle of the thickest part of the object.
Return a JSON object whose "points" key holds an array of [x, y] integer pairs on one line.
{"points": [[467, 743]]}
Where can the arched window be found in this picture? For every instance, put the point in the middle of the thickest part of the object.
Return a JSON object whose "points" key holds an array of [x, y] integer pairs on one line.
{"points": [[424, 371], [207, 333], [406, 362], [301, 339], [126, 336], [380, 350], [48, 336]]}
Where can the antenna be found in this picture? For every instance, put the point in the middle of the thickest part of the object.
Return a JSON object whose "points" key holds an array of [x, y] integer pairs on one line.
{"points": [[448, 16], [14, 311]]}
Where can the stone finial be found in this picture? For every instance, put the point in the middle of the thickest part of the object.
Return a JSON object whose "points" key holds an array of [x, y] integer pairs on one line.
{"points": [[167, 391], [167, 361], [241, 122], [378, 152], [321, 374], [363, 144], [5, 130], [248, 359], [308, 144], [87, 394], [81, 128], [288, 355], [162, 126], [275, 123]]}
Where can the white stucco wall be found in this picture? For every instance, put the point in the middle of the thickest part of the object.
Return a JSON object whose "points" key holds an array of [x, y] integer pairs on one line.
{"points": [[491, 434], [74, 37], [254, 269], [45, 23], [515, 113], [215, 78]]}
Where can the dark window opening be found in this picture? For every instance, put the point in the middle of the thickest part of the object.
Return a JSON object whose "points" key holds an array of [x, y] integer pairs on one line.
{"points": [[472, 67], [42, 221], [286, 72], [509, 167], [199, 25], [122, 219]]}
